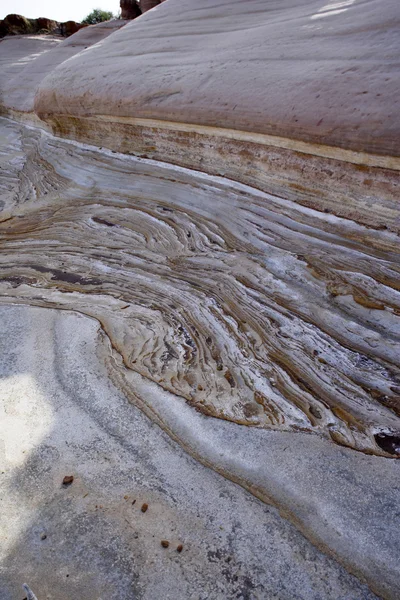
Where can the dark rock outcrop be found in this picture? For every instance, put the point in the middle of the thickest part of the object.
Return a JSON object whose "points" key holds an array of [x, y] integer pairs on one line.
{"points": [[70, 27], [46, 25], [146, 5], [19, 25], [15, 25], [129, 9]]}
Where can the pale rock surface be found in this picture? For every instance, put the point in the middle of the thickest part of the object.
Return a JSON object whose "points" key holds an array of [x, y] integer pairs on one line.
{"points": [[321, 72], [61, 415], [19, 80]]}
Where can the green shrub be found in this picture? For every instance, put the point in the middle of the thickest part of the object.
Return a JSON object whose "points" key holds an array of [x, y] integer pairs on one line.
{"points": [[98, 16]]}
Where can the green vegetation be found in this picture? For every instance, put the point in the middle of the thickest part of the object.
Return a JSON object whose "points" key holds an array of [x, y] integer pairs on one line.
{"points": [[98, 16]]}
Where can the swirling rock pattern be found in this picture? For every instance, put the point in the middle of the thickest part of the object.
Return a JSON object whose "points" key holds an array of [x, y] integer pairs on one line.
{"points": [[251, 307]]}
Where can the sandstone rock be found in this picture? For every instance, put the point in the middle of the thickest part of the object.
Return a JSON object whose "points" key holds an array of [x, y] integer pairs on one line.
{"points": [[25, 61], [146, 5], [70, 27], [260, 285], [230, 536], [16, 25], [289, 69], [129, 9], [239, 292], [43, 24]]}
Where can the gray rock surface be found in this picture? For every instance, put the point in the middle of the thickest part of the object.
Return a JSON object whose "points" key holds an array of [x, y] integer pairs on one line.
{"points": [[61, 415]]}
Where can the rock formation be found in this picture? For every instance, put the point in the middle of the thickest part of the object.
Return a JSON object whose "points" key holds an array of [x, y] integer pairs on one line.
{"points": [[16, 24], [19, 25], [221, 196], [129, 9], [146, 5], [70, 27]]}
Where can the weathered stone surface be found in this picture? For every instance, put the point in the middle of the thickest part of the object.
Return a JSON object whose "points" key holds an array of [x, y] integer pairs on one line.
{"points": [[16, 24], [44, 24], [60, 413], [19, 25], [292, 69], [70, 27], [19, 78]]}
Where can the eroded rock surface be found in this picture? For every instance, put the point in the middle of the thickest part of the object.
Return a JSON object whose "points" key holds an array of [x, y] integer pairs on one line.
{"points": [[252, 308], [26, 60]]}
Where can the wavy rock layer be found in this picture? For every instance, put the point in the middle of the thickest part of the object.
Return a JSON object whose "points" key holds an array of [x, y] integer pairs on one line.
{"points": [[268, 297], [252, 308]]}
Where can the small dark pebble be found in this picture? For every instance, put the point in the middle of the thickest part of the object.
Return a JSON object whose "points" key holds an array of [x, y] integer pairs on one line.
{"points": [[68, 479], [179, 548], [144, 508], [164, 543], [134, 502]]}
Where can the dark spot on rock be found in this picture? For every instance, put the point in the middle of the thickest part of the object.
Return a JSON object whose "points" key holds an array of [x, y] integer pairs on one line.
{"points": [[144, 507], [165, 543], [315, 412], [43, 536], [179, 548], [215, 555], [68, 479], [389, 442], [229, 377], [134, 501], [250, 410], [103, 222]]}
